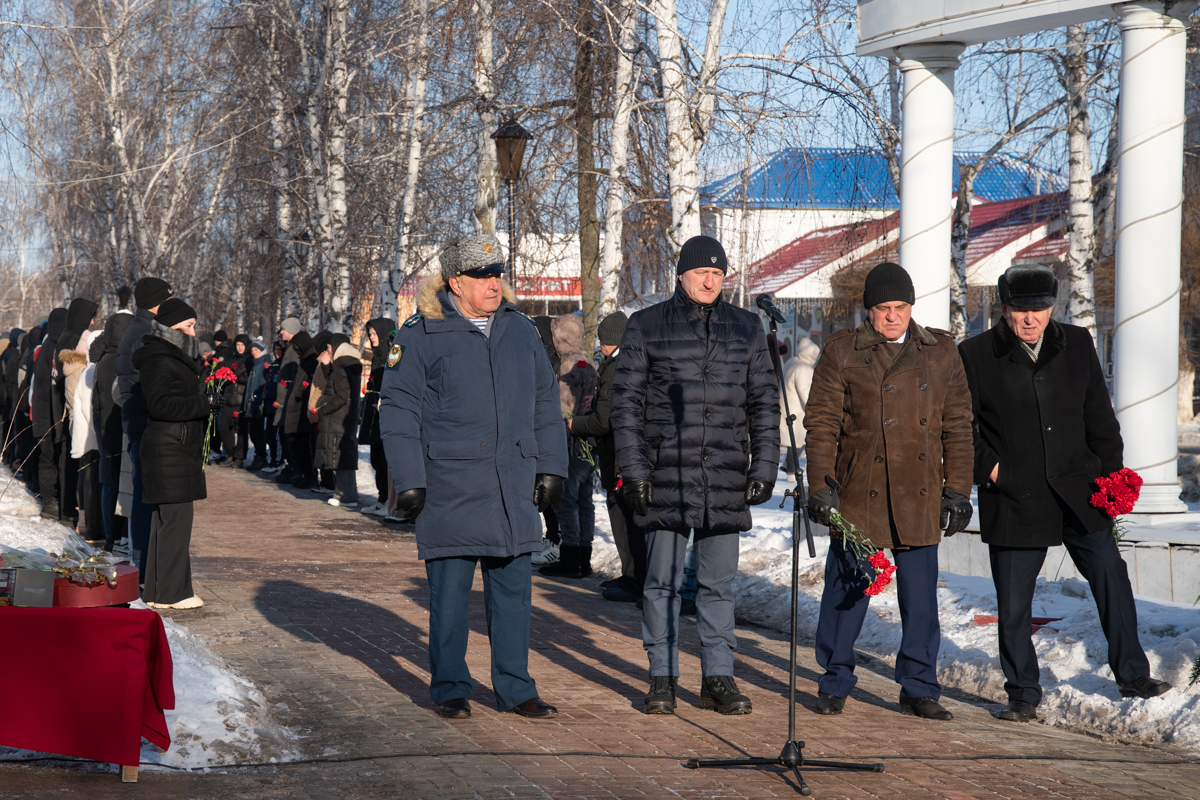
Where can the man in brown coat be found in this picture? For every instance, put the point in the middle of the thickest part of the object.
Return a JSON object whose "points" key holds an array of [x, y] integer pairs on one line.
{"points": [[889, 426]]}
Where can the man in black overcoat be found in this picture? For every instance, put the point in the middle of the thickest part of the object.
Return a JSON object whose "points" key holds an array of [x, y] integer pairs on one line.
{"points": [[1044, 431]]}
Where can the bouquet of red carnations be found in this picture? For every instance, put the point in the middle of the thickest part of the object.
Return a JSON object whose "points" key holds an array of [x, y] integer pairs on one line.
{"points": [[1117, 495], [215, 382], [871, 561]]}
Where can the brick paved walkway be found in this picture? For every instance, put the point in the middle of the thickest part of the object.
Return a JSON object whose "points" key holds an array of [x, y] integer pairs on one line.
{"points": [[326, 611]]}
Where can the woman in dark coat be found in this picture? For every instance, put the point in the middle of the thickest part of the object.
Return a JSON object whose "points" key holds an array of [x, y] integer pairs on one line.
{"points": [[171, 450], [379, 334], [337, 419]]}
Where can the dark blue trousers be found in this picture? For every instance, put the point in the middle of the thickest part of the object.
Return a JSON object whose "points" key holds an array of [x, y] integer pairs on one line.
{"points": [[576, 511], [141, 516], [507, 592], [844, 607]]}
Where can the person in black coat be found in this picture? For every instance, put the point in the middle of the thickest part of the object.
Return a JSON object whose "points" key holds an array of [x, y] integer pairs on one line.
{"points": [[107, 416], [1044, 431], [695, 412], [337, 419], [26, 444], [172, 448], [297, 426], [45, 424], [629, 538], [234, 430], [9, 364], [379, 334]]}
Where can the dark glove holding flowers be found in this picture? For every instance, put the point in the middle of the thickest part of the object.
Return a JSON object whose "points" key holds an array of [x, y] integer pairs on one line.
{"points": [[216, 401], [823, 503]]}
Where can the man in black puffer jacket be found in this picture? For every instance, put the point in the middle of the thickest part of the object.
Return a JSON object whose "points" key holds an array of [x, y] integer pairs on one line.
{"points": [[695, 414]]}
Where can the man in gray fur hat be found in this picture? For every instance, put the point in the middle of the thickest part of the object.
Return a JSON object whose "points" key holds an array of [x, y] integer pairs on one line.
{"points": [[470, 423]]}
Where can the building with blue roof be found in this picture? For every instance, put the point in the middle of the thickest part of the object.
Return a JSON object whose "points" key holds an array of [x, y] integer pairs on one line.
{"points": [[796, 191]]}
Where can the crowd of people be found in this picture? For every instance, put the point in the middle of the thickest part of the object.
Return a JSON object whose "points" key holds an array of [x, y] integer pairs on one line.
{"points": [[113, 426], [487, 429]]}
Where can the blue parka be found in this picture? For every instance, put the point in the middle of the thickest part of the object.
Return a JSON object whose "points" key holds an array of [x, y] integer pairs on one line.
{"points": [[472, 420]]}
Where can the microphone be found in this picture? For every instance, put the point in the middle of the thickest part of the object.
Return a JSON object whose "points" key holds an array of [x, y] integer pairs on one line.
{"points": [[764, 302]]}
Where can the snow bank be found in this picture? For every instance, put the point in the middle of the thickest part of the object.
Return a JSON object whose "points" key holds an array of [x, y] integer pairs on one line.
{"points": [[219, 717], [1078, 684]]}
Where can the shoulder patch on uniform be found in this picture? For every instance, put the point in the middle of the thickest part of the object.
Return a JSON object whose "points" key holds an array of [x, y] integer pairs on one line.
{"points": [[394, 355], [413, 320], [523, 314]]}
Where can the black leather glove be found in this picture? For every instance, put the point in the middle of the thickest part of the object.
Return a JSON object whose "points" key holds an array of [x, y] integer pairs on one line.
{"points": [[758, 492], [216, 401], [547, 491], [639, 494], [821, 504], [956, 512], [409, 503]]}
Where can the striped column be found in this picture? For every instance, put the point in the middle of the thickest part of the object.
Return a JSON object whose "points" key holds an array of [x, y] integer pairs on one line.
{"points": [[1149, 216]]}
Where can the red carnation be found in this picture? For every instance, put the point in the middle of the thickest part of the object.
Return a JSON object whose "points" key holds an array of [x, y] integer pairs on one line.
{"points": [[580, 364], [305, 384], [884, 570], [1118, 493], [235, 415]]}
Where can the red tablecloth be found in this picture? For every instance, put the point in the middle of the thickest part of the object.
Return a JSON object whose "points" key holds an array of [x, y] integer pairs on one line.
{"points": [[86, 682]]}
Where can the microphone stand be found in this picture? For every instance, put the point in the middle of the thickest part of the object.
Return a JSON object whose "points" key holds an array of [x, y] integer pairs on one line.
{"points": [[792, 755]]}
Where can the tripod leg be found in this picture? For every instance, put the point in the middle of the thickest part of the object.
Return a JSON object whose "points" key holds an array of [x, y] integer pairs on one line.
{"points": [[804, 788]]}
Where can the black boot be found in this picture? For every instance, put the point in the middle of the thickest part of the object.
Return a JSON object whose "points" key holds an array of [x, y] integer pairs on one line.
{"points": [[585, 561], [567, 565]]}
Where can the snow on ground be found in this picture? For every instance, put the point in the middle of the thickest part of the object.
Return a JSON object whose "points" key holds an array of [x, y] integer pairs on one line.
{"points": [[219, 717], [1078, 684]]}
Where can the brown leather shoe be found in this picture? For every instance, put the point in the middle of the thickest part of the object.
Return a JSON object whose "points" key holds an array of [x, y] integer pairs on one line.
{"points": [[535, 708], [455, 708]]}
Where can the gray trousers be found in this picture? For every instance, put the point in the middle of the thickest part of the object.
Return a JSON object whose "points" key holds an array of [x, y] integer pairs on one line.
{"points": [[168, 577], [716, 566], [346, 485]]}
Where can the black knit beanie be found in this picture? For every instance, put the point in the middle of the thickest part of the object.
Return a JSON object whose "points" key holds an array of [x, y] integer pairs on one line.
{"points": [[151, 292], [612, 328], [174, 311], [700, 252], [888, 283]]}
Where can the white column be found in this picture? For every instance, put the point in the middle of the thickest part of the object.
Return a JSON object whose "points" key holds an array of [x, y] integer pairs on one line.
{"points": [[1149, 216], [927, 174]]}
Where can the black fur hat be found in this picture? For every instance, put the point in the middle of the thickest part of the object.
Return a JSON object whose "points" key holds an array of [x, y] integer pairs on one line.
{"points": [[1028, 286]]}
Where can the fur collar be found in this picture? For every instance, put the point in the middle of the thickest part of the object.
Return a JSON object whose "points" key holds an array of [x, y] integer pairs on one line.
{"points": [[867, 336], [429, 303], [71, 357]]}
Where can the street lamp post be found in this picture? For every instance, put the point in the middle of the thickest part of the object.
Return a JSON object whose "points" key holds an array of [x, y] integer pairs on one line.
{"points": [[262, 243], [511, 139]]}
